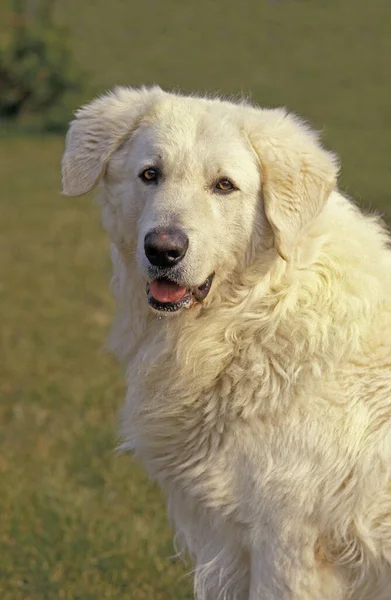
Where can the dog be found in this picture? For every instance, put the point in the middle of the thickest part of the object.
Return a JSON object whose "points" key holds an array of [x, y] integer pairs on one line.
{"points": [[254, 322]]}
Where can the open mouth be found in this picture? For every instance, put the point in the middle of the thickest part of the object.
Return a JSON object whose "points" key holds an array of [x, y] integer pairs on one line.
{"points": [[167, 295]]}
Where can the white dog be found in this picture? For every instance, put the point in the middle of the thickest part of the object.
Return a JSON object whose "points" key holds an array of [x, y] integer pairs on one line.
{"points": [[254, 320]]}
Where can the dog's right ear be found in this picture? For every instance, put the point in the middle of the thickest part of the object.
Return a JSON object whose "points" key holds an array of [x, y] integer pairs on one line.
{"points": [[98, 130]]}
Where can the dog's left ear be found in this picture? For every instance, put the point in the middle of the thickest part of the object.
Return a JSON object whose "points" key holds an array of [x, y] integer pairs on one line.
{"points": [[297, 174]]}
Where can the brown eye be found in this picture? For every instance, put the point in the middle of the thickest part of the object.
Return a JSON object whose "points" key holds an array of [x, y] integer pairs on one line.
{"points": [[149, 175], [225, 185]]}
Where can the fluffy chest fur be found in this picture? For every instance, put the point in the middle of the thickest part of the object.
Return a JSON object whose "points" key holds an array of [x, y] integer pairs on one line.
{"points": [[214, 402]]}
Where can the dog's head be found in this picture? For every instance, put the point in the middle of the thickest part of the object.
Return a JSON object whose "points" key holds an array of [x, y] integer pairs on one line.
{"points": [[195, 188]]}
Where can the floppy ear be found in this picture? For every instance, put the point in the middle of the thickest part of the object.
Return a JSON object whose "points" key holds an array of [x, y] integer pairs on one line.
{"points": [[298, 175], [98, 130]]}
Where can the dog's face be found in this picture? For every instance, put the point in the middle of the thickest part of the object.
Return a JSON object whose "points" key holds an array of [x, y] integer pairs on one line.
{"points": [[188, 187], [188, 182]]}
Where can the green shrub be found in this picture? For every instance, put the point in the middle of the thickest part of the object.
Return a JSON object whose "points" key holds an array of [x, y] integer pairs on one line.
{"points": [[36, 70]]}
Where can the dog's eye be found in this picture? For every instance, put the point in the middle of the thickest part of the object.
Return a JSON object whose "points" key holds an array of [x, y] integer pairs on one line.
{"points": [[150, 175], [225, 185]]}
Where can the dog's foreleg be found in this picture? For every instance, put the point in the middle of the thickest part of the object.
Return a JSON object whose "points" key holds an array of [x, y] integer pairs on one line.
{"points": [[279, 575]]}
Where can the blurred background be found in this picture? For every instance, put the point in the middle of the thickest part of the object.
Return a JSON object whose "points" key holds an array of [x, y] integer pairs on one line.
{"points": [[78, 521]]}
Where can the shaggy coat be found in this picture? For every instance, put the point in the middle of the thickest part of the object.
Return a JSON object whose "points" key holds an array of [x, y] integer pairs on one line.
{"points": [[264, 411]]}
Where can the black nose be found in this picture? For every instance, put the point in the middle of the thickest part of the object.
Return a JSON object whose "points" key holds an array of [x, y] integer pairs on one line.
{"points": [[165, 248]]}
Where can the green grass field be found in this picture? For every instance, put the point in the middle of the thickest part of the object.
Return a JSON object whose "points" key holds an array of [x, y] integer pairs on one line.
{"points": [[77, 520]]}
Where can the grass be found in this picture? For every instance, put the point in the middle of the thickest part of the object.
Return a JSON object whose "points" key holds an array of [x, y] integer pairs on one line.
{"points": [[77, 520]]}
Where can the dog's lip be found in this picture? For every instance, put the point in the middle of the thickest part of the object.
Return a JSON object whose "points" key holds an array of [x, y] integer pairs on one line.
{"points": [[193, 295]]}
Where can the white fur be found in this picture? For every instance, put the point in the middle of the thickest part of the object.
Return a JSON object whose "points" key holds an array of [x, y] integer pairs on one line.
{"points": [[265, 412]]}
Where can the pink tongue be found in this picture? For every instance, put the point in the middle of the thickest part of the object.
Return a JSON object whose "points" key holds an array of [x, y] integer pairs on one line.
{"points": [[166, 291]]}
